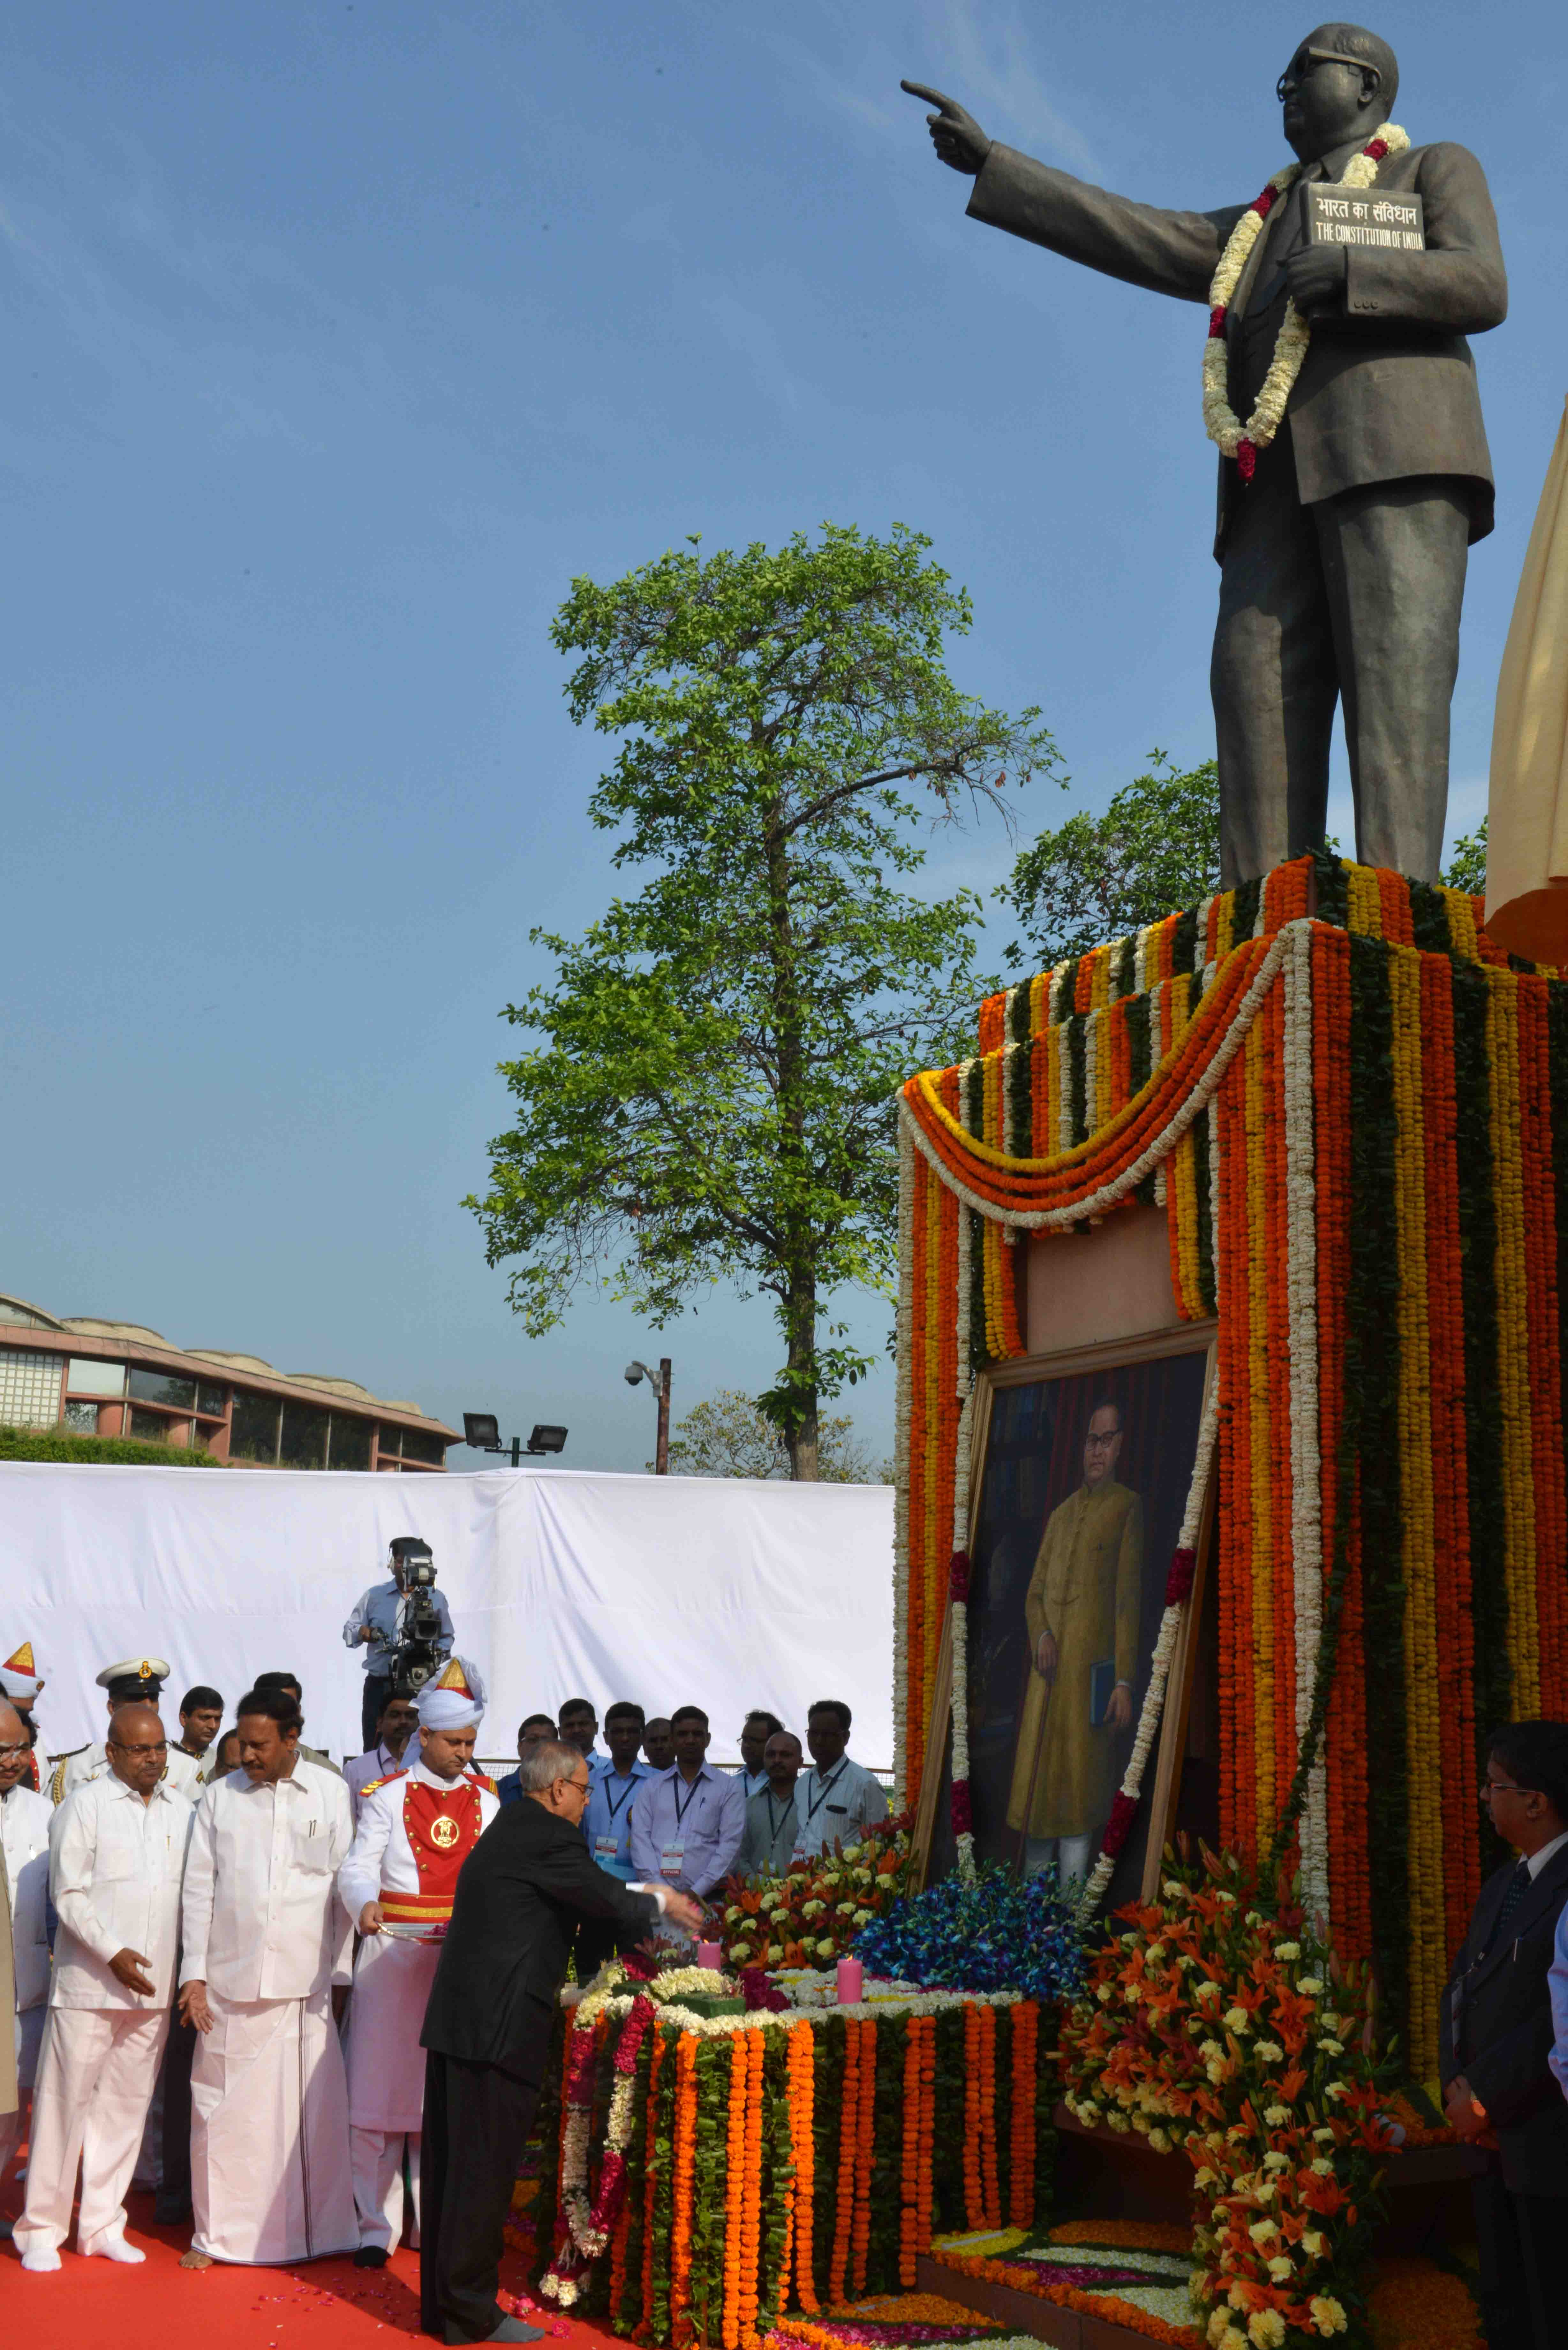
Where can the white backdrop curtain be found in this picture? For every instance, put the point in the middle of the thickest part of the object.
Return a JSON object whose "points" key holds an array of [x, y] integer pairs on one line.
{"points": [[719, 1592]]}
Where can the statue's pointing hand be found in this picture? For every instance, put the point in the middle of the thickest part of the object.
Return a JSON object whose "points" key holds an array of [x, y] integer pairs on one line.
{"points": [[959, 140]]}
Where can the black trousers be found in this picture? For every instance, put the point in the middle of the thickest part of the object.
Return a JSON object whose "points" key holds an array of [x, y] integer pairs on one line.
{"points": [[179, 2054], [476, 2123], [1355, 600], [1520, 2239], [373, 1705], [596, 1941]]}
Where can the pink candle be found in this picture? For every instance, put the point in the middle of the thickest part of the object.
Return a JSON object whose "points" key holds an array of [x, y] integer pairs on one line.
{"points": [[711, 1954], [851, 1977]]}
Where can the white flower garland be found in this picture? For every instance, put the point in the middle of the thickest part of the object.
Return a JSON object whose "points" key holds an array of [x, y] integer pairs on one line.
{"points": [[1220, 421], [1307, 1495], [870, 2004], [901, 1468]]}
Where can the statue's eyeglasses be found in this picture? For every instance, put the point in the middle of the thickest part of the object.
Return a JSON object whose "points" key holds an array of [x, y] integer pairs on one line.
{"points": [[1305, 59]]}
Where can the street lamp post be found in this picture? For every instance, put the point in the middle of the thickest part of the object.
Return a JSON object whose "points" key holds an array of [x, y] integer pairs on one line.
{"points": [[482, 1432], [659, 1382]]}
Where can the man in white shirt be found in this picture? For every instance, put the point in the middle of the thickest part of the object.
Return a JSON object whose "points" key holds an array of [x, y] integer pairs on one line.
{"points": [[24, 1819], [837, 1799], [416, 1829], [265, 1950], [134, 1680], [399, 1717], [117, 1851], [686, 1826]]}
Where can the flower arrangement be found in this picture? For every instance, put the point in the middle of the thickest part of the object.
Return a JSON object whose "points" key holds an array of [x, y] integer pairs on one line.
{"points": [[812, 1913], [1218, 2024], [996, 1932], [1349, 1104]]}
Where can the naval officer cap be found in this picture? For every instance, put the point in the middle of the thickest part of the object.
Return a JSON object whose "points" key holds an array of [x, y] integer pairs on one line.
{"points": [[134, 1678]]}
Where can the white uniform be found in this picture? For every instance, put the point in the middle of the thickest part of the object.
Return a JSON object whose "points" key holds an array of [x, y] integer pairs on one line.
{"points": [[832, 1807], [24, 1835], [68, 1771], [115, 1865], [392, 1980], [269, 2132]]}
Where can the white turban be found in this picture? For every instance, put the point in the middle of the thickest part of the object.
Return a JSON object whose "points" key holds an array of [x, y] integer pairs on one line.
{"points": [[19, 1676], [448, 1702]]}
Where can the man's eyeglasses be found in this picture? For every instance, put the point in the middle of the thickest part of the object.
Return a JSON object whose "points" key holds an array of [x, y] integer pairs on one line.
{"points": [[1504, 1787], [154, 1746], [9, 1753], [1305, 59]]}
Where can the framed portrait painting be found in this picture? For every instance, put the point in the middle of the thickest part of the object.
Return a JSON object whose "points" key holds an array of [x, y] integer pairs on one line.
{"points": [[1084, 1463]]}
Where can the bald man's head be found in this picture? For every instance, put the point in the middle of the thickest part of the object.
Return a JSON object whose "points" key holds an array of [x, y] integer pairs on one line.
{"points": [[15, 1748], [138, 1750]]}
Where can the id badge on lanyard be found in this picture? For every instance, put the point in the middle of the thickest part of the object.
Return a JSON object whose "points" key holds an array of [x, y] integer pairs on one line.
{"points": [[606, 1848], [672, 1859]]}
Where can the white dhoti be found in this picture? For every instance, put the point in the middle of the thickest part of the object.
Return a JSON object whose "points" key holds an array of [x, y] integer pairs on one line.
{"points": [[387, 2081], [270, 2175], [95, 2083]]}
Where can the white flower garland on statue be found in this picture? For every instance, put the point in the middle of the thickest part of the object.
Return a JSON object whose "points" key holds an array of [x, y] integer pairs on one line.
{"points": [[1306, 1492], [1220, 421]]}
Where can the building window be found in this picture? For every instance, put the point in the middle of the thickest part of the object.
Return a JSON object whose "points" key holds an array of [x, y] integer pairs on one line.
{"points": [[151, 1426], [304, 1437], [428, 1449], [87, 1377], [159, 1387], [29, 1389], [350, 1441], [81, 1418], [210, 1402], [254, 1433], [389, 1442]]}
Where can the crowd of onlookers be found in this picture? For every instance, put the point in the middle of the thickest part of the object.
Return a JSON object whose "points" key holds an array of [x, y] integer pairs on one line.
{"points": [[194, 1909]]}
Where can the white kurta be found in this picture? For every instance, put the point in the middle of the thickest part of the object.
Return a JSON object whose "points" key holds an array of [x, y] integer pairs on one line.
{"points": [[269, 2136], [115, 1869], [24, 1820], [69, 1772]]}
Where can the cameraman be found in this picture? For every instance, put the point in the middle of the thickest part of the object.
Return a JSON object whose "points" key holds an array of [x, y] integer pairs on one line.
{"points": [[377, 1621]]}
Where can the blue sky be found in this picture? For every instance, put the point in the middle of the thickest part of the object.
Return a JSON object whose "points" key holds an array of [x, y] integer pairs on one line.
{"points": [[341, 339]]}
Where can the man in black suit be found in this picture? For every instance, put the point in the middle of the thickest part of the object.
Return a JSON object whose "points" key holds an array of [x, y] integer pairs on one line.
{"points": [[1496, 2038], [1343, 561], [522, 1890]]}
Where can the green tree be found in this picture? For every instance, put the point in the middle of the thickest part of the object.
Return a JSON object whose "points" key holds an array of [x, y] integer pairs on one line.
{"points": [[1466, 868], [712, 1100], [730, 1436], [1155, 851]]}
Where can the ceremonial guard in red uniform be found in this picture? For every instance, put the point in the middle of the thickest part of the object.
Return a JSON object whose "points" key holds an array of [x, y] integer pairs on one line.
{"points": [[416, 1829]]}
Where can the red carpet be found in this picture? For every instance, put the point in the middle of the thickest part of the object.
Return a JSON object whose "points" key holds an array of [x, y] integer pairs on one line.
{"points": [[323, 2305]]}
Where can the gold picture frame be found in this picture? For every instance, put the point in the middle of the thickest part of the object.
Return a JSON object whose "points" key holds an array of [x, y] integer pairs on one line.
{"points": [[1162, 1782]]}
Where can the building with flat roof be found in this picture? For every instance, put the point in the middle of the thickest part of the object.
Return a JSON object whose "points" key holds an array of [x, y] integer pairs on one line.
{"points": [[117, 1378]]}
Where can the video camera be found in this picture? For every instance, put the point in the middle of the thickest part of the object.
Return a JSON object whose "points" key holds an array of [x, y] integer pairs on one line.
{"points": [[418, 1652]]}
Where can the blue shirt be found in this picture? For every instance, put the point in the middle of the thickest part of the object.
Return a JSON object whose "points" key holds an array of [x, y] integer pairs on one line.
{"points": [[608, 1818], [706, 1819], [511, 1787], [381, 1608]]}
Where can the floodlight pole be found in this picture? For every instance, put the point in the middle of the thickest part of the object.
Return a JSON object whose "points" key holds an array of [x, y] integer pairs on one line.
{"points": [[661, 1445]]}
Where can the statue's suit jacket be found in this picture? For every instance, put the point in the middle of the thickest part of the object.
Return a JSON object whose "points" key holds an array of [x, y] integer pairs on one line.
{"points": [[1387, 389]]}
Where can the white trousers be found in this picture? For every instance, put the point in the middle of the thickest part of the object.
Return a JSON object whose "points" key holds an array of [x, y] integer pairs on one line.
{"points": [[1071, 1855], [377, 2156], [96, 2079]]}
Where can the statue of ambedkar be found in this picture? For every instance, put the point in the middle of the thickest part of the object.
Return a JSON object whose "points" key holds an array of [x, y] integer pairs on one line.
{"points": [[1354, 470]]}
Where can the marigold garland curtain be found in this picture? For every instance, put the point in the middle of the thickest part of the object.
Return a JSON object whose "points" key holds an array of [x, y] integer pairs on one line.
{"points": [[1354, 1110]]}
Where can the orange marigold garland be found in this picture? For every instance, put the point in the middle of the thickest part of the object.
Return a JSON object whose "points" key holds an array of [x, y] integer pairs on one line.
{"points": [[865, 2150], [801, 2076], [684, 2156], [844, 2196], [1024, 2028]]}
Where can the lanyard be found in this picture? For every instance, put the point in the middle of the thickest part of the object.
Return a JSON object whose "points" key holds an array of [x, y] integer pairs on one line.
{"points": [[680, 1811], [616, 1809], [773, 1823], [824, 1790]]}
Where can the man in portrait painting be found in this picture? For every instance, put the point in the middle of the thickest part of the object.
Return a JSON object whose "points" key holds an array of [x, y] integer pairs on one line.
{"points": [[1082, 1611]]}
